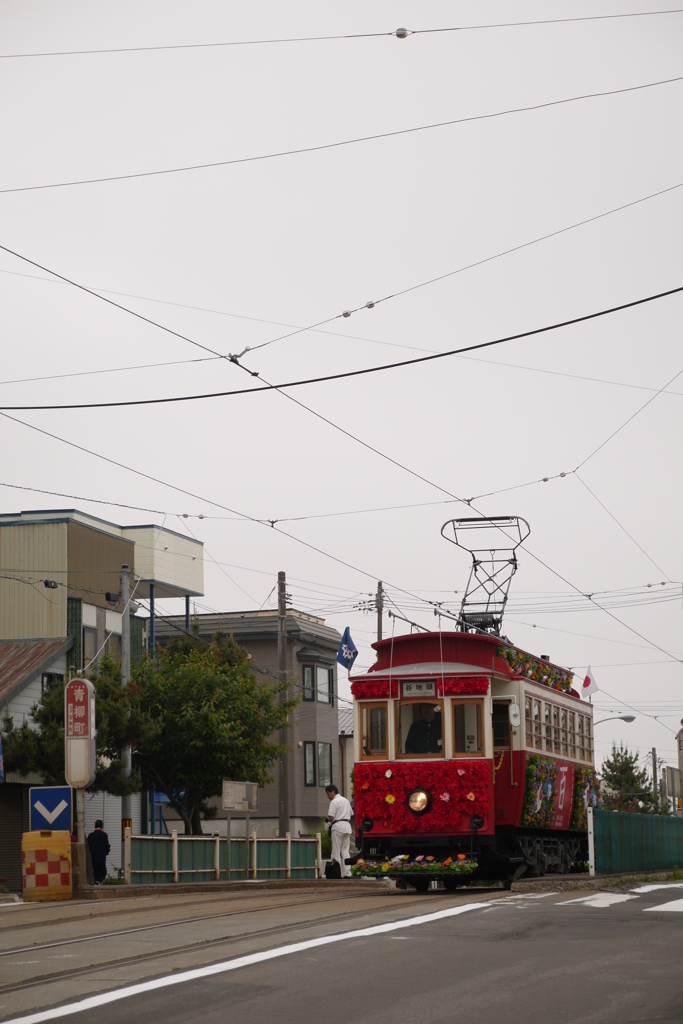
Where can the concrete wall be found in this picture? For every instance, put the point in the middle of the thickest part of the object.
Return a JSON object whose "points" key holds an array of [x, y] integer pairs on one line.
{"points": [[33, 552]]}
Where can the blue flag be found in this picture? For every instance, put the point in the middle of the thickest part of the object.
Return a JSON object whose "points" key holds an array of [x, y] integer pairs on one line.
{"points": [[348, 652]]}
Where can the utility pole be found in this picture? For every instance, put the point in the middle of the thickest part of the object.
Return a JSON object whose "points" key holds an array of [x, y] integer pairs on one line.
{"points": [[126, 753], [283, 763], [379, 604], [654, 774]]}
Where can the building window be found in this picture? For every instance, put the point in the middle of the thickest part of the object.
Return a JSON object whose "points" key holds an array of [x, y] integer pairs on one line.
{"points": [[467, 736], [374, 726], [309, 693], [50, 679], [420, 732], [325, 684], [309, 764], [113, 646], [324, 764], [89, 645]]}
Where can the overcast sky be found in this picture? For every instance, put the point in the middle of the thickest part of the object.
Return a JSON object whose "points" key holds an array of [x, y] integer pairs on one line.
{"points": [[236, 256]]}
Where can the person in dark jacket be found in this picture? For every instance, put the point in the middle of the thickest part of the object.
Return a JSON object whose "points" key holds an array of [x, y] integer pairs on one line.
{"points": [[98, 842], [424, 735]]}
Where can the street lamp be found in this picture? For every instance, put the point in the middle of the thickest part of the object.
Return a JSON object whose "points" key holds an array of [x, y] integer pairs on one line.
{"points": [[616, 718]]}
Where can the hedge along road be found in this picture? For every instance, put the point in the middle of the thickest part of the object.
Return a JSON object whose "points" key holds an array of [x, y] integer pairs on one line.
{"points": [[594, 957]]}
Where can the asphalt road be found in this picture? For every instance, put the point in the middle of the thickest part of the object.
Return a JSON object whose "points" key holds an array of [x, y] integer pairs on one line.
{"points": [[566, 957]]}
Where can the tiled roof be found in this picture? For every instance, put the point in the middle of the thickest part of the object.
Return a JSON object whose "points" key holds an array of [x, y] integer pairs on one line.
{"points": [[21, 660]]}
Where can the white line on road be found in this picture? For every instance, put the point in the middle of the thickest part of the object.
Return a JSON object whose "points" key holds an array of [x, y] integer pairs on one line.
{"points": [[600, 899], [675, 905], [663, 885], [231, 965]]}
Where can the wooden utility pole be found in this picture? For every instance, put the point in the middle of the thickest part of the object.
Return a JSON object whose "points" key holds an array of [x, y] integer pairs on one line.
{"points": [[126, 753], [379, 604], [283, 763]]}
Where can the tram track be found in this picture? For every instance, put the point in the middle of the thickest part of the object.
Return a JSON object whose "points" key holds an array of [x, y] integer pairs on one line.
{"points": [[179, 921], [47, 979]]}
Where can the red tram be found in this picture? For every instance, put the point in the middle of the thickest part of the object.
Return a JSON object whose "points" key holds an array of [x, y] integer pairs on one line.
{"points": [[470, 754]]}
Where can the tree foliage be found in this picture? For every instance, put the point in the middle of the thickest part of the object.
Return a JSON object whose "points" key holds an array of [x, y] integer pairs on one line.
{"points": [[626, 787], [195, 716], [40, 747], [209, 719]]}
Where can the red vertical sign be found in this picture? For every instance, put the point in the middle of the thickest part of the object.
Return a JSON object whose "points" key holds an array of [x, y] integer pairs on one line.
{"points": [[77, 720]]}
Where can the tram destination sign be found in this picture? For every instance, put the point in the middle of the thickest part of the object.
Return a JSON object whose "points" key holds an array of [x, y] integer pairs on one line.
{"points": [[426, 688]]}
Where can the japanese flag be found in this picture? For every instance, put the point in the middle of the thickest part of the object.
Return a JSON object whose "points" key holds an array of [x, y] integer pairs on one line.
{"points": [[589, 684]]}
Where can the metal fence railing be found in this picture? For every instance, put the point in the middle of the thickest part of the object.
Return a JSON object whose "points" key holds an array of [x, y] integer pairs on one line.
{"points": [[620, 841], [154, 860]]}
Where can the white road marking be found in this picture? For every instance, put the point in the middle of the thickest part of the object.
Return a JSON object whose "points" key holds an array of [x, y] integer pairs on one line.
{"points": [[600, 899], [50, 815], [662, 885], [531, 896], [231, 965], [675, 905]]}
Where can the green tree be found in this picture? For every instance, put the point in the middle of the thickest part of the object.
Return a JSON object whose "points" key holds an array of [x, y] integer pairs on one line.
{"points": [[626, 787], [208, 718], [40, 747]]}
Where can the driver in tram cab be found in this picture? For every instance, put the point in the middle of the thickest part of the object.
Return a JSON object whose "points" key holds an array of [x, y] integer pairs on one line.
{"points": [[424, 735]]}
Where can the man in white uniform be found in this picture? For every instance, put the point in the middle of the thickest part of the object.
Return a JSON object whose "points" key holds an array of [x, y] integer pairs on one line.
{"points": [[340, 813]]}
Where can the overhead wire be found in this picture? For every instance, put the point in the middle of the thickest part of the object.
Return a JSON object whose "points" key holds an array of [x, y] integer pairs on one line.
{"points": [[344, 375], [401, 33], [529, 108]]}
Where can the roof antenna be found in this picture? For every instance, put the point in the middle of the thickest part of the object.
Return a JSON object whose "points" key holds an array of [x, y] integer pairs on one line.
{"points": [[492, 568]]}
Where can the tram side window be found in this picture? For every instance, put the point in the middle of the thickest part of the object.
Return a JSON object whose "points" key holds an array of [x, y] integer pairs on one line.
{"points": [[538, 742], [501, 725], [556, 730], [547, 728], [374, 730], [587, 739], [527, 723], [467, 734], [563, 721], [571, 726], [419, 729], [579, 738]]}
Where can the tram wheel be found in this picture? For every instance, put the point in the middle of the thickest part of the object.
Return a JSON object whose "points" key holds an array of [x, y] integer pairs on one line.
{"points": [[451, 884], [420, 884]]}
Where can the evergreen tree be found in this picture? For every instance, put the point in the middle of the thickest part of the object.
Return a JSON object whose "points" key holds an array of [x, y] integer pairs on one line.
{"points": [[625, 786]]}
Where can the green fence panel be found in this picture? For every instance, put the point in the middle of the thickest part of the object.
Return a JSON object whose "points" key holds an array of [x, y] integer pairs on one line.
{"points": [[303, 858], [271, 858], [636, 842], [195, 859], [150, 860]]}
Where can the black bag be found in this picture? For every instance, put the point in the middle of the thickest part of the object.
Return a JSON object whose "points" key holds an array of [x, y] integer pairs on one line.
{"points": [[333, 869]]}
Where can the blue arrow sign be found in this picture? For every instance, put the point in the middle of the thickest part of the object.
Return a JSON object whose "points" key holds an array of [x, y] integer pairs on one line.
{"points": [[50, 808]]}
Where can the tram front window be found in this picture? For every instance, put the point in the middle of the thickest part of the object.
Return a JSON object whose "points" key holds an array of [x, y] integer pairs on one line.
{"points": [[467, 738], [420, 730], [374, 730]]}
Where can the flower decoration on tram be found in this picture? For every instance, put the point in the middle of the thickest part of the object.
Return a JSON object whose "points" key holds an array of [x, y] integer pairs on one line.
{"points": [[522, 664], [446, 797], [447, 862], [586, 794], [462, 856], [541, 783], [387, 774], [418, 860], [458, 779], [390, 798]]}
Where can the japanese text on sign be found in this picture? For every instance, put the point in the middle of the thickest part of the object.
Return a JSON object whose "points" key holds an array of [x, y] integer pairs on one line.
{"points": [[423, 689], [77, 722]]}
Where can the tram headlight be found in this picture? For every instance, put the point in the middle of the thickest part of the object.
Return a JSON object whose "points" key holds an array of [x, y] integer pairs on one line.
{"points": [[419, 801]]}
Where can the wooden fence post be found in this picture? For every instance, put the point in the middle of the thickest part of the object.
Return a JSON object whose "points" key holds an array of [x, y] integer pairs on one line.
{"points": [[254, 854], [174, 856], [288, 855], [318, 856], [216, 857]]}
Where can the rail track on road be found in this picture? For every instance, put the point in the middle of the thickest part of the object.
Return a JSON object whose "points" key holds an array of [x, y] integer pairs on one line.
{"points": [[58, 976]]}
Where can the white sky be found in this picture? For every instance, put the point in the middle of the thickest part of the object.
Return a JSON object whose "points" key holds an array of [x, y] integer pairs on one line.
{"points": [[298, 239]]}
